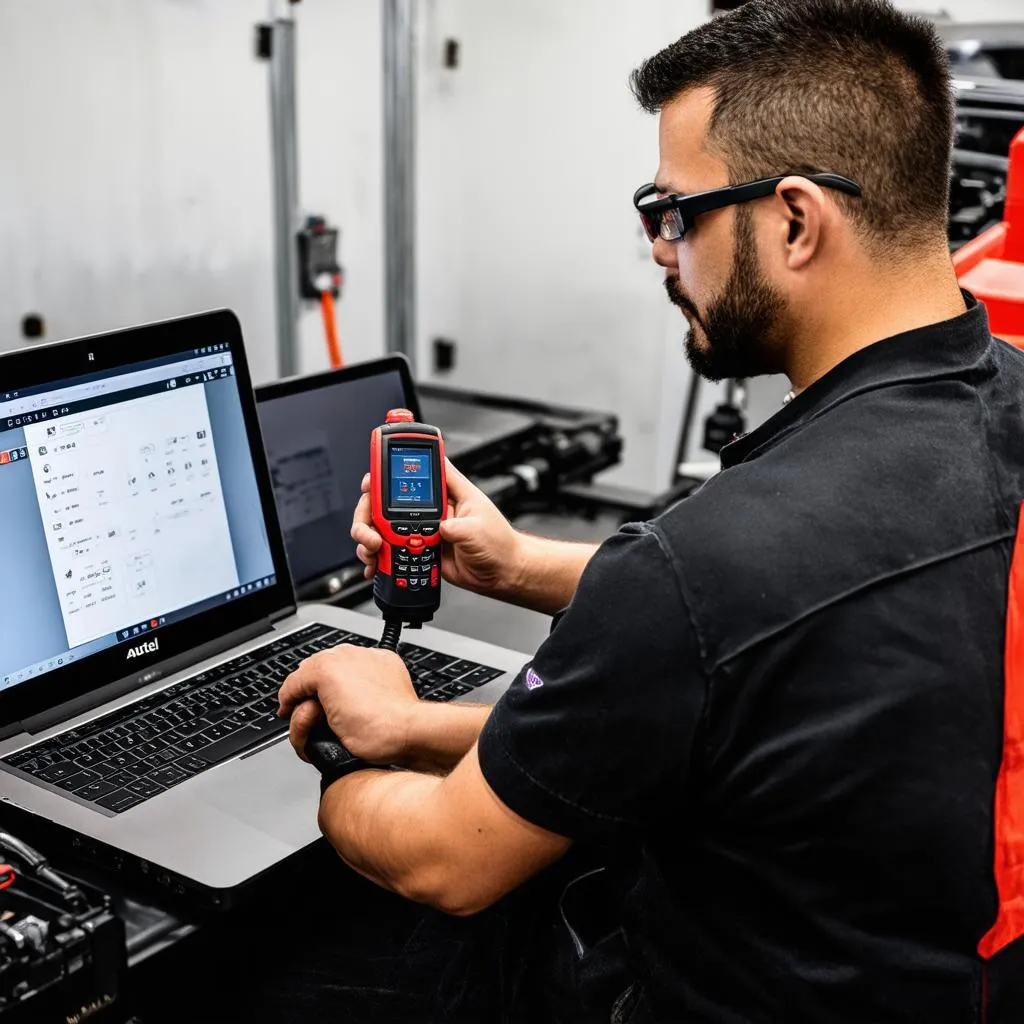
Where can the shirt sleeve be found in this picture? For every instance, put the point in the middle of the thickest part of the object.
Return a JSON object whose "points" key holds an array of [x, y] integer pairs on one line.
{"points": [[595, 735]]}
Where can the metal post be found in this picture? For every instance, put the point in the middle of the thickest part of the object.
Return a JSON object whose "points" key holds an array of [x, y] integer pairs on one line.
{"points": [[284, 152], [399, 36]]}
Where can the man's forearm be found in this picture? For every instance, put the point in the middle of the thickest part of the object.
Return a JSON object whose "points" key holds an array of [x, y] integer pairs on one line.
{"points": [[438, 736], [448, 842], [375, 822], [548, 573]]}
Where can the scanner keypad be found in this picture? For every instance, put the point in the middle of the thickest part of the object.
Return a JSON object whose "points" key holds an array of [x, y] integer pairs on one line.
{"points": [[418, 568]]}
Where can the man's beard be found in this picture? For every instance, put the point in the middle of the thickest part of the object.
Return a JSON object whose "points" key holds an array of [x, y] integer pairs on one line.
{"points": [[740, 327]]}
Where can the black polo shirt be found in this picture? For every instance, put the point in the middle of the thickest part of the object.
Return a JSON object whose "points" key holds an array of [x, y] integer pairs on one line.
{"points": [[784, 698]]}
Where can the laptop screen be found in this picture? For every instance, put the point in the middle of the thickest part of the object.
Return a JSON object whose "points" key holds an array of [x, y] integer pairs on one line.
{"points": [[317, 434], [128, 502]]}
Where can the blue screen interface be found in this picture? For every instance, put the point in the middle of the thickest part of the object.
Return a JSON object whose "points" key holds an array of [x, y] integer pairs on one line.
{"points": [[412, 477]]}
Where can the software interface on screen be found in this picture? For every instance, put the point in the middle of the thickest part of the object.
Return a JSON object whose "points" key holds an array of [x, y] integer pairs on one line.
{"points": [[318, 444], [412, 477], [128, 501]]}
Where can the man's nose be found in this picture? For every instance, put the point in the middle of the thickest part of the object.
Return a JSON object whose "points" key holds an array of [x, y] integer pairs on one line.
{"points": [[664, 254]]}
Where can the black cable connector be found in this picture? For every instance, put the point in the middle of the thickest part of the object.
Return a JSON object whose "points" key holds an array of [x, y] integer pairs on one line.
{"points": [[391, 635]]}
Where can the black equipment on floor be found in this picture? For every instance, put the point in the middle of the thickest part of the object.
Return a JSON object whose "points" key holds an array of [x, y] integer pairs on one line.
{"points": [[62, 947]]}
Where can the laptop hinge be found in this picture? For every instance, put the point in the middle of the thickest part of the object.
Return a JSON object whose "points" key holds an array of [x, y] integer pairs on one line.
{"points": [[284, 613], [95, 698]]}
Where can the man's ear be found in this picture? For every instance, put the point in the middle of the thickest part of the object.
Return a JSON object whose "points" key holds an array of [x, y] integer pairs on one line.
{"points": [[802, 206]]}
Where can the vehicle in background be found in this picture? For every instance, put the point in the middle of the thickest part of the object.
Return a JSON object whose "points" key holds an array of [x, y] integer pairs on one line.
{"points": [[989, 114], [987, 60]]}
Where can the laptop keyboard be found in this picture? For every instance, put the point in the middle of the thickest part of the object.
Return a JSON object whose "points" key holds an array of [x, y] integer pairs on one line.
{"points": [[136, 753]]}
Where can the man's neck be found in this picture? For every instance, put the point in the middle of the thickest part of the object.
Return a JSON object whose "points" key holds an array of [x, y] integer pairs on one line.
{"points": [[858, 313]]}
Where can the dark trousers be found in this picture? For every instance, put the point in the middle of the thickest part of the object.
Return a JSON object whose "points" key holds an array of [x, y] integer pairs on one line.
{"points": [[331, 947]]}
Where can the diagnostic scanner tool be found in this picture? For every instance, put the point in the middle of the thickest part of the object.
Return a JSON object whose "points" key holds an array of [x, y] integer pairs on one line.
{"points": [[408, 500]]}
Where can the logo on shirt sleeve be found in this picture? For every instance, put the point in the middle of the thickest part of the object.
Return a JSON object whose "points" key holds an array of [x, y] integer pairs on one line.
{"points": [[533, 681]]}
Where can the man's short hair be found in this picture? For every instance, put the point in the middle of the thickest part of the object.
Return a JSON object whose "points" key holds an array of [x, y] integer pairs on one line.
{"points": [[849, 86]]}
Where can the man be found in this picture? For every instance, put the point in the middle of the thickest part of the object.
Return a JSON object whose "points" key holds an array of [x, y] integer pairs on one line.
{"points": [[781, 702]]}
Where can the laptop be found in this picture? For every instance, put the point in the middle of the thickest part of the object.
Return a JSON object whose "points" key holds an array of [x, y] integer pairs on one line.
{"points": [[152, 618], [316, 431]]}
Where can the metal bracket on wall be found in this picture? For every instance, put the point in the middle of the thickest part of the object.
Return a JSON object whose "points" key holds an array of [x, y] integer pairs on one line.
{"points": [[275, 43], [399, 45]]}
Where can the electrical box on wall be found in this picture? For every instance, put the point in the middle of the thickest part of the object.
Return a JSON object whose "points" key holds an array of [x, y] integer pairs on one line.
{"points": [[33, 327], [444, 355], [319, 270]]}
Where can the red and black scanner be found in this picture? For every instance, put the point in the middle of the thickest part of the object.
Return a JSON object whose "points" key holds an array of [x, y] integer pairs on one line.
{"points": [[408, 501]]}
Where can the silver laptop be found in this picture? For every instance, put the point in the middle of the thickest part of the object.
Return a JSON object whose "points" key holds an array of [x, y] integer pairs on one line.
{"points": [[151, 617]]}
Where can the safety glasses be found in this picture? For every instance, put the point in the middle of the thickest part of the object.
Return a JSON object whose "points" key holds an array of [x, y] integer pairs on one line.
{"points": [[670, 217]]}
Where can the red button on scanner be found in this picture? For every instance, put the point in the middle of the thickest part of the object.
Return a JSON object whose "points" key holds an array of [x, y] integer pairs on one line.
{"points": [[400, 416], [401, 582], [434, 576], [415, 542]]}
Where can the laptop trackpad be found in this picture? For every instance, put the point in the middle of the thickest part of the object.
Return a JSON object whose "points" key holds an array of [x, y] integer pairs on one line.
{"points": [[272, 791]]}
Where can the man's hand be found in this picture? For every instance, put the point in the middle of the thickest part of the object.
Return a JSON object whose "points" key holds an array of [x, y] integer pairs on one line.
{"points": [[366, 694], [481, 549]]}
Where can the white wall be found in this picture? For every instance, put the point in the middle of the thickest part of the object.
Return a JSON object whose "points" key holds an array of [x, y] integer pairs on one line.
{"points": [[341, 163], [530, 254], [135, 167], [131, 188]]}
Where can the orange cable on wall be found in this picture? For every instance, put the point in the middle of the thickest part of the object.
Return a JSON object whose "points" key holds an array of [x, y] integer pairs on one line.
{"points": [[331, 329]]}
